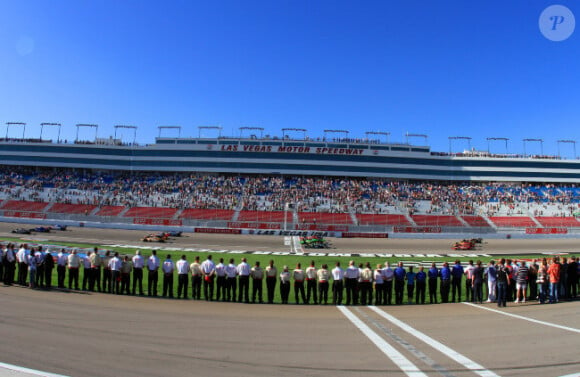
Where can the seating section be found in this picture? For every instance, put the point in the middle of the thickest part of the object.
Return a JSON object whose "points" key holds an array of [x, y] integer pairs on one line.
{"points": [[110, 211], [552, 222], [513, 221], [475, 221], [23, 205], [151, 212], [324, 218], [72, 208], [435, 220], [207, 214], [372, 219], [265, 216]]}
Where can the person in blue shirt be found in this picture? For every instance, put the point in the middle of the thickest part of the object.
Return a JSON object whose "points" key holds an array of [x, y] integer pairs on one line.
{"points": [[445, 275], [433, 274], [421, 286], [410, 284], [399, 283], [457, 274]]}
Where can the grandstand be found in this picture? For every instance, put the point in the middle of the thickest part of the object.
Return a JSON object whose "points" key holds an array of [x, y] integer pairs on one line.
{"points": [[268, 202]]}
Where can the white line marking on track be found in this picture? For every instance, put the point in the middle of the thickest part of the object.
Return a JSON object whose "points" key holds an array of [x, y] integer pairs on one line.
{"points": [[463, 360], [34, 372], [401, 361], [572, 375], [525, 318]]}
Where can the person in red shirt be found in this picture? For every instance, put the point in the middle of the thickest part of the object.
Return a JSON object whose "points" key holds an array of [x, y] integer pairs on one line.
{"points": [[554, 276]]}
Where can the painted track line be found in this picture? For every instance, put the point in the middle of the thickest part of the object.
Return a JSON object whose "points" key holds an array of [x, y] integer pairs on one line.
{"points": [[525, 318], [16, 368], [452, 354], [396, 357]]}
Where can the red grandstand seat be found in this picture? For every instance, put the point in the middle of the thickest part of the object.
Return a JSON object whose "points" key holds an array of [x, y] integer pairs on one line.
{"points": [[207, 214], [566, 222], [372, 219], [513, 221], [110, 211], [324, 218], [264, 216], [476, 221], [151, 212], [436, 220], [24, 205], [71, 208]]}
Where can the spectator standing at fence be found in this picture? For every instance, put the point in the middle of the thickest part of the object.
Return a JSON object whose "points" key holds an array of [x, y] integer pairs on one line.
{"points": [[244, 281], [285, 284], [168, 267], [2, 256], [388, 277], [115, 264], [477, 283], [271, 277], [503, 283], [196, 278], [533, 276], [572, 272], [61, 261], [366, 285], [564, 279], [126, 268], [337, 284], [32, 269], [10, 264], [39, 255], [208, 271], [86, 262], [522, 282], [48, 267], [542, 281], [468, 272], [445, 275], [491, 274], [457, 274], [231, 280], [138, 265], [323, 276], [379, 285], [182, 267], [351, 277], [410, 277], [153, 273], [257, 275], [421, 286], [298, 275], [74, 265], [22, 258], [432, 276], [96, 262]]}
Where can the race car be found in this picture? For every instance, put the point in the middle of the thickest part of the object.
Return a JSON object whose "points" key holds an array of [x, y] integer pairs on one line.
{"points": [[21, 231], [154, 238], [41, 229], [464, 245], [58, 227], [173, 233]]}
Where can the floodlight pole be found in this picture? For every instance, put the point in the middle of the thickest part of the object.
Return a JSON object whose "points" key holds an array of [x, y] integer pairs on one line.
{"points": [[8, 124], [387, 134], [451, 138], [573, 142], [541, 141], [50, 124], [489, 139]]}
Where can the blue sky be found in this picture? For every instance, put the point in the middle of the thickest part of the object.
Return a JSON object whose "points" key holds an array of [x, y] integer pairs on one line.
{"points": [[452, 68]]}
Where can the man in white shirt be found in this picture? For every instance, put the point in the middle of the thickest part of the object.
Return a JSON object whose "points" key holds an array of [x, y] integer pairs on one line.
{"points": [[153, 273], [244, 274], [182, 267], [86, 260], [468, 271], [168, 268], [231, 284], [39, 259], [138, 265], [220, 273], [22, 258], [115, 265], [310, 273], [351, 276], [196, 277], [337, 286], [388, 276], [61, 261], [208, 271]]}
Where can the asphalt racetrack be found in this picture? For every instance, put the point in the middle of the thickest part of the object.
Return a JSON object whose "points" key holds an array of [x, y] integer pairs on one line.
{"points": [[81, 334]]}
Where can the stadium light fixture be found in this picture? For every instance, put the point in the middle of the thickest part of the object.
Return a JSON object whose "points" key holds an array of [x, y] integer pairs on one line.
{"points": [[218, 128], [451, 138], [96, 127], [168, 128], [490, 139], [386, 134], [303, 130], [134, 128], [8, 124], [410, 135], [541, 141], [345, 132], [50, 124], [573, 142], [242, 129]]}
